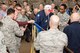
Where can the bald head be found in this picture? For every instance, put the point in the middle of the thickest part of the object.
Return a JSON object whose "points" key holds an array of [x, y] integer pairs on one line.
{"points": [[75, 17], [54, 21]]}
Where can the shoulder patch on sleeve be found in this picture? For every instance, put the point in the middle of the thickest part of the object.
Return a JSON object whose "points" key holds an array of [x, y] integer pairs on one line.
{"points": [[38, 15]]}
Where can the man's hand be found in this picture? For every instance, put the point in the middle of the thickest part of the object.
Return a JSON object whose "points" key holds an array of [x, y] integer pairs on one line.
{"points": [[22, 28], [31, 21]]}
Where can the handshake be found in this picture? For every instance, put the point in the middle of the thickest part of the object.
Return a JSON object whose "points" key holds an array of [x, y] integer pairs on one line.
{"points": [[31, 21], [22, 28]]}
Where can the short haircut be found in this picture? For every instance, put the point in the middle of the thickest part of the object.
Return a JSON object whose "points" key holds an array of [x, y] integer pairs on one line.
{"points": [[3, 4], [10, 11], [15, 1], [65, 6], [18, 5], [24, 1], [42, 4]]}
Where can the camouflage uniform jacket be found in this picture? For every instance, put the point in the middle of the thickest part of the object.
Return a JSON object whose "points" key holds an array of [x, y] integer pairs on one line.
{"points": [[2, 45], [22, 18], [10, 28], [51, 41], [64, 18]]}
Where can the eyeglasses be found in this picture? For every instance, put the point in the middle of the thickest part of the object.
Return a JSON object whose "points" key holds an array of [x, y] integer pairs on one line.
{"points": [[61, 9], [18, 9]]}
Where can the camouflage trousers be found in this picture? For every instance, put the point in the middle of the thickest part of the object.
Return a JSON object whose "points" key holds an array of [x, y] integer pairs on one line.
{"points": [[13, 49]]}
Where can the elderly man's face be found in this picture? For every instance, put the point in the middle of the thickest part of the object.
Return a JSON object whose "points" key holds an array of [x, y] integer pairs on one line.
{"points": [[62, 9], [47, 12]]}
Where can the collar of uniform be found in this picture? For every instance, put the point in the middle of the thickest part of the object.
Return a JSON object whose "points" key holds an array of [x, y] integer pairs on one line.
{"points": [[9, 17], [62, 13], [53, 29], [75, 22]]}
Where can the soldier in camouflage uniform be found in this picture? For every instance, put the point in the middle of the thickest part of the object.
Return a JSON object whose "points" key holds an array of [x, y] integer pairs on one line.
{"points": [[22, 16], [2, 44], [10, 28], [19, 17], [64, 17], [53, 40]]}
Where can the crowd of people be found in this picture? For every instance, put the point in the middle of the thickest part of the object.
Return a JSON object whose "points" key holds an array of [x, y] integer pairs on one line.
{"points": [[57, 26]]}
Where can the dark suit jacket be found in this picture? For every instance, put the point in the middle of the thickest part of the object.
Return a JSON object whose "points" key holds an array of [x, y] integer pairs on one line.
{"points": [[73, 33]]}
